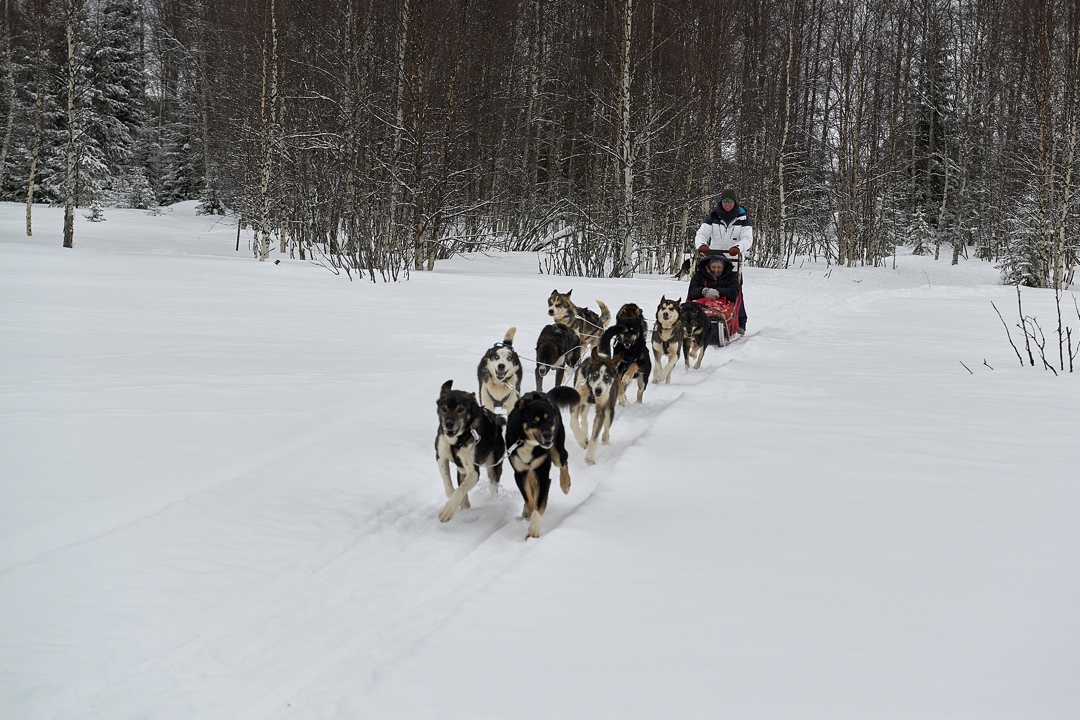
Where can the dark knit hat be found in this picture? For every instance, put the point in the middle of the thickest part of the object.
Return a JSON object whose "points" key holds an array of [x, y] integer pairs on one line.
{"points": [[729, 193]]}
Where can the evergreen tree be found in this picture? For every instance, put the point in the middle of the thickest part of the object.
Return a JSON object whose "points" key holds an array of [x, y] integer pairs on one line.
{"points": [[118, 88]]}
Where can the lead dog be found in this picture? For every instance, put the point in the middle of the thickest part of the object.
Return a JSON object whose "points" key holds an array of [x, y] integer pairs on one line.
{"points": [[558, 348], [667, 338], [537, 440], [599, 384], [469, 436], [585, 322], [499, 374]]}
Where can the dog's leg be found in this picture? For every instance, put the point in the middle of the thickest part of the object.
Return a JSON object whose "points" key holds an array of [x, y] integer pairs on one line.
{"points": [[531, 510], [609, 416], [642, 383], [461, 477], [559, 372], [444, 469], [658, 367], [539, 380], [564, 470], [701, 354], [625, 380], [579, 417], [598, 424], [461, 495], [494, 469]]}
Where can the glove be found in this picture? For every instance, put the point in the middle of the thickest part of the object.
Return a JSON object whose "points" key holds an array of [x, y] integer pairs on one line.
{"points": [[733, 250], [703, 249], [711, 293]]}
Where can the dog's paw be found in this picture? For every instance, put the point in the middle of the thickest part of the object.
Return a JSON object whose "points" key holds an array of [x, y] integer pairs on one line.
{"points": [[534, 525], [564, 482], [447, 513]]}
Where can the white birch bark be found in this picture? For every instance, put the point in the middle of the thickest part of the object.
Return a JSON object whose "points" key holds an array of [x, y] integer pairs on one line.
{"points": [[69, 169]]}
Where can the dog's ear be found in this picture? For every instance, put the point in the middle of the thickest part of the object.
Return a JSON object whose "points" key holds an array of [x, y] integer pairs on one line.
{"points": [[678, 300], [595, 354], [446, 387], [569, 291], [473, 396]]}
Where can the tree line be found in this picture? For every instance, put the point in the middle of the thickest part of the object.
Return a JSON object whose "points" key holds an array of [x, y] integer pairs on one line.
{"points": [[378, 136]]}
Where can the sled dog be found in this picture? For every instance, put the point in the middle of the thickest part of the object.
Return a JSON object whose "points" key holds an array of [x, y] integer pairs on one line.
{"points": [[558, 348], [499, 374], [536, 439], [585, 322], [667, 338], [630, 334], [687, 268], [469, 436], [599, 384], [696, 329]]}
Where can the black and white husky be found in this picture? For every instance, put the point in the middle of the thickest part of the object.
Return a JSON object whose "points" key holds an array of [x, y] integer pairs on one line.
{"points": [[469, 436], [499, 374], [599, 383]]}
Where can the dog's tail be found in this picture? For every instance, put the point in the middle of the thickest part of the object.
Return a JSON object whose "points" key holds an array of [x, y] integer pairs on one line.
{"points": [[605, 339], [508, 338], [564, 396], [605, 314]]}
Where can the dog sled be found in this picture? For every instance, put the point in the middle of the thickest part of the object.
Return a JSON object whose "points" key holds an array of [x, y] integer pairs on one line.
{"points": [[723, 314]]}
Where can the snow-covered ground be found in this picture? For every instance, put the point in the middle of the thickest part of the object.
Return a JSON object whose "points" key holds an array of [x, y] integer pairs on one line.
{"points": [[218, 498]]}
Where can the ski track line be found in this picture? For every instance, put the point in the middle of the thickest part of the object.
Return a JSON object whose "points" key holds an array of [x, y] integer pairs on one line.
{"points": [[231, 473]]}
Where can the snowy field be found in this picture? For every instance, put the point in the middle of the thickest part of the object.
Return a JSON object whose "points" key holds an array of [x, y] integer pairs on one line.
{"points": [[218, 498]]}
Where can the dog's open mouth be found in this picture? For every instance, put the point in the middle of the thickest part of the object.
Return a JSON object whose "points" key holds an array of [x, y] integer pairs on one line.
{"points": [[500, 373]]}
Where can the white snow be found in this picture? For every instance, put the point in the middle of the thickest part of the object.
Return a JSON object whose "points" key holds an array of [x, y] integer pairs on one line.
{"points": [[219, 497]]}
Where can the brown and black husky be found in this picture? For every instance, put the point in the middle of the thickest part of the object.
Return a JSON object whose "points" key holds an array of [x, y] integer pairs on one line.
{"points": [[558, 348], [536, 439], [585, 322], [499, 374], [696, 329], [469, 436], [667, 338], [599, 384]]}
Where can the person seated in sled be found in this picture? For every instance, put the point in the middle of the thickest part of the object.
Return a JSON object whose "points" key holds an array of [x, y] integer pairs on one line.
{"points": [[727, 229]]}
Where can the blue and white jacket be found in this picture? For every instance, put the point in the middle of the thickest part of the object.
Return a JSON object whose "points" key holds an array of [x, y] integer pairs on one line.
{"points": [[723, 234]]}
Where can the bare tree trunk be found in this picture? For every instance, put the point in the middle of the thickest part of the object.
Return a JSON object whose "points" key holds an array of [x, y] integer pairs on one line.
{"points": [[1062, 263], [69, 175], [420, 221], [401, 70], [35, 148], [624, 264], [781, 156], [268, 110]]}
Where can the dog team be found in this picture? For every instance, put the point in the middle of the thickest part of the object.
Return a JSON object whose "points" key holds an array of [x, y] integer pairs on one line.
{"points": [[604, 362]]}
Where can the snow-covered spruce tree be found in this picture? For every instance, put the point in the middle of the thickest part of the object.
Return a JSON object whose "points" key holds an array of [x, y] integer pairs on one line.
{"points": [[117, 87], [181, 163], [137, 192]]}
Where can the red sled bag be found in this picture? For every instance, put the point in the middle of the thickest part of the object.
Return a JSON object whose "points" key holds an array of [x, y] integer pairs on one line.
{"points": [[725, 311]]}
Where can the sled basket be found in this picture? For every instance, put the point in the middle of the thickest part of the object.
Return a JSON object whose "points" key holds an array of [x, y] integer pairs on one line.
{"points": [[724, 316]]}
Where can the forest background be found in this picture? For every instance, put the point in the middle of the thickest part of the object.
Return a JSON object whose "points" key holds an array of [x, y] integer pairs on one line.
{"points": [[378, 136]]}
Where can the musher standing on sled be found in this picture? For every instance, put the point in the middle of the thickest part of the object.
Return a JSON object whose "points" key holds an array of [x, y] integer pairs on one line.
{"points": [[727, 229]]}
